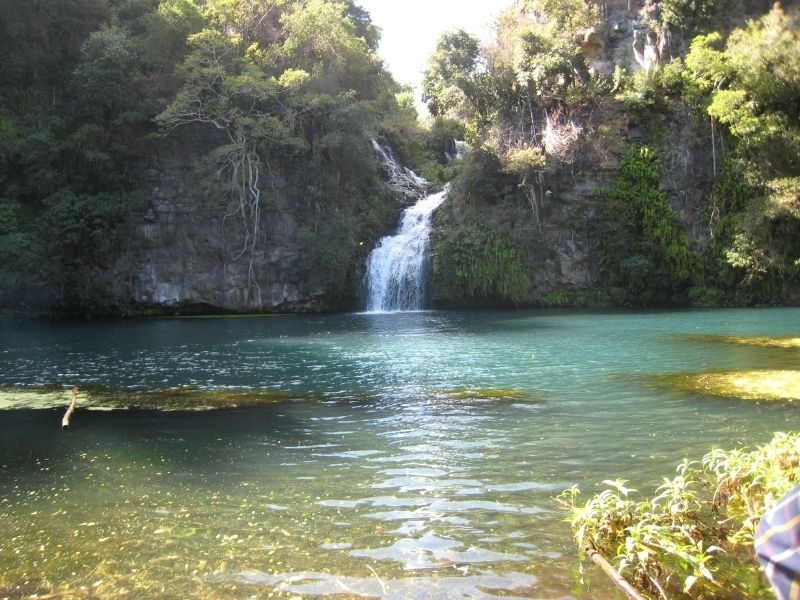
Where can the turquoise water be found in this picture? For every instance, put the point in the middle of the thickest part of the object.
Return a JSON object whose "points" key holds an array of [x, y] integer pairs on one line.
{"points": [[411, 455]]}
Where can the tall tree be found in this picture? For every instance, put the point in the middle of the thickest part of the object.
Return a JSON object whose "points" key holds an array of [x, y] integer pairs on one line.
{"points": [[42, 42], [450, 80], [752, 86]]}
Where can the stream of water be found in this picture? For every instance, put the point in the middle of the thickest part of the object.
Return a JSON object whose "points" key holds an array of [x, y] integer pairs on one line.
{"points": [[408, 455], [398, 267]]}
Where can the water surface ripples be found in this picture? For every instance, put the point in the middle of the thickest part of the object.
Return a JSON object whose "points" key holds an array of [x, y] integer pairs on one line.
{"points": [[413, 455]]}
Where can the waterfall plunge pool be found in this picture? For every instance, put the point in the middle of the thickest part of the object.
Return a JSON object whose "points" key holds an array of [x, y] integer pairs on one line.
{"points": [[409, 455]]}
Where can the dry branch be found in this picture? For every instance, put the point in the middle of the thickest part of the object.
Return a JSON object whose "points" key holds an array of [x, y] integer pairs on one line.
{"points": [[561, 138], [70, 410], [625, 587]]}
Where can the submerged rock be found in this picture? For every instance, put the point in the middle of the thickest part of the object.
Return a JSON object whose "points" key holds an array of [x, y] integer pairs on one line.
{"points": [[744, 385], [177, 398]]}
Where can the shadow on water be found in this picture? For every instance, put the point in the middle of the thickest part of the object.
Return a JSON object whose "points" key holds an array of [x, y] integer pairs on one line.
{"points": [[192, 439]]}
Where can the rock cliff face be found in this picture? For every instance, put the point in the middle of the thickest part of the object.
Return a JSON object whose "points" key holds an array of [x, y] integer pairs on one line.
{"points": [[563, 240], [188, 252], [556, 228], [185, 251]]}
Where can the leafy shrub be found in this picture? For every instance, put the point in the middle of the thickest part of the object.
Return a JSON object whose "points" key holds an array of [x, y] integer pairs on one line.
{"points": [[642, 247], [691, 17], [483, 179], [475, 265], [696, 533]]}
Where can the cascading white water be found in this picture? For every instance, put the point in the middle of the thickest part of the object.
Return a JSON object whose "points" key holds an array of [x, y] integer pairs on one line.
{"points": [[454, 150], [397, 267], [401, 178]]}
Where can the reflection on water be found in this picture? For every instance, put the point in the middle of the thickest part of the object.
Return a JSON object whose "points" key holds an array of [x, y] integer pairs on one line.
{"points": [[410, 455]]}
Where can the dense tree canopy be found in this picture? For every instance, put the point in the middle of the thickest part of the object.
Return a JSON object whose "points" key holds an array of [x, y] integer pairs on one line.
{"points": [[750, 84], [284, 92], [534, 100], [278, 96]]}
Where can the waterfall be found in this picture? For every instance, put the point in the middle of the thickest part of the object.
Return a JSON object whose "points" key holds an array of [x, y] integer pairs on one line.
{"points": [[398, 266], [454, 150], [401, 179]]}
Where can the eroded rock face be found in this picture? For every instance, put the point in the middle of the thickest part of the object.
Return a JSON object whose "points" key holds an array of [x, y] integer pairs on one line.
{"points": [[191, 248], [410, 186], [622, 41], [188, 251], [562, 242], [556, 231]]}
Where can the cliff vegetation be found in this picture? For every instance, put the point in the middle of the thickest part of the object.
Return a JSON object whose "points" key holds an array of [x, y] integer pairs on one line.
{"points": [[635, 154], [216, 155], [190, 155]]}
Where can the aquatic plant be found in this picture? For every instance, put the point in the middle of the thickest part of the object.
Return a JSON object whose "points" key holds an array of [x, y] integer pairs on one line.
{"points": [[696, 533], [769, 384], [779, 382]]}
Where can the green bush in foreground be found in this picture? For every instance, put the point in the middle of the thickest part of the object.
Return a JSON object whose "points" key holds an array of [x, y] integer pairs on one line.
{"points": [[694, 538]]}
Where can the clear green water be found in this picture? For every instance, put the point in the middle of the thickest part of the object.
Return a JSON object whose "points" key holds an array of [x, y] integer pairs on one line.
{"points": [[416, 456]]}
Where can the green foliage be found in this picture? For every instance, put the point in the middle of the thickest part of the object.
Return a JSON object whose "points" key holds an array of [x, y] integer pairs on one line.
{"points": [[643, 251], [706, 65], [442, 134], [646, 93], [327, 262], [563, 16], [565, 298], [767, 244], [753, 234], [749, 85], [694, 17], [450, 80], [17, 247], [72, 227], [525, 160], [475, 265], [753, 85], [543, 62], [108, 65], [423, 150], [295, 102], [335, 241], [542, 85], [536, 76], [69, 240], [42, 42], [279, 93], [483, 180], [695, 535], [320, 39], [167, 30]]}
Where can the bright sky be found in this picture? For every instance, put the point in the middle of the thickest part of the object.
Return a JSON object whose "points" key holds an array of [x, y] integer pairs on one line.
{"points": [[411, 28]]}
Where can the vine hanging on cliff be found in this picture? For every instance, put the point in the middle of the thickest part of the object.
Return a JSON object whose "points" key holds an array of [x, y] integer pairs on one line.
{"points": [[475, 264], [643, 250], [223, 87]]}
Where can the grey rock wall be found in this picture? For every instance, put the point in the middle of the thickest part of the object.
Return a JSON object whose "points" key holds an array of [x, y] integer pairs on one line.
{"points": [[185, 254]]}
